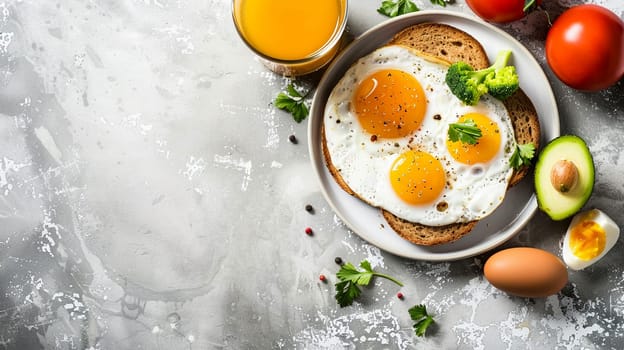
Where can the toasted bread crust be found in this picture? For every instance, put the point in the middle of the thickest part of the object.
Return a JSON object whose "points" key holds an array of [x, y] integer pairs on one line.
{"points": [[427, 235], [526, 127], [445, 42], [450, 44]]}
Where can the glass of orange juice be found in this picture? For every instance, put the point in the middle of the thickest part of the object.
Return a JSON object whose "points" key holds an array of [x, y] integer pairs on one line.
{"points": [[292, 37]]}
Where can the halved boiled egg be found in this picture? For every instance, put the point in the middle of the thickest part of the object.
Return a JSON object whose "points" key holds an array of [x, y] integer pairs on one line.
{"points": [[589, 237]]}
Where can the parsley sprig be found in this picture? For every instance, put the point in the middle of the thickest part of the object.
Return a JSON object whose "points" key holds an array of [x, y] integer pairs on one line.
{"points": [[351, 277], [418, 314], [522, 155], [439, 2], [466, 132], [293, 102], [396, 8]]}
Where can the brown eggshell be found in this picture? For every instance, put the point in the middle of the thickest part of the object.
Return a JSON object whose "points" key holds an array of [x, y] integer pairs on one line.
{"points": [[526, 272]]}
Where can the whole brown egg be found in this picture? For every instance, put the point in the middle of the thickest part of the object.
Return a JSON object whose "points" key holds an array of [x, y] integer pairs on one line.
{"points": [[526, 272]]}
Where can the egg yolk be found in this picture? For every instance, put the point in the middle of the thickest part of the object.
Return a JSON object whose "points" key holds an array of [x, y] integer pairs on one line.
{"points": [[587, 240], [487, 145], [417, 177], [390, 103]]}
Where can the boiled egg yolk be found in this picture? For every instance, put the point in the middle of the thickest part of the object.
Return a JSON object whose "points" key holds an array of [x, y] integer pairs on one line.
{"points": [[417, 177], [390, 103], [589, 237], [587, 240], [487, 146]]}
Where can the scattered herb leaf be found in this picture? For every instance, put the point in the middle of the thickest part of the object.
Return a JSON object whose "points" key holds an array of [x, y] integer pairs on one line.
{"points": [[466, 132], [418, 314], [351, 277], [396, 8], [443, 2], [522, 155], [529, 5], [293, 102]]}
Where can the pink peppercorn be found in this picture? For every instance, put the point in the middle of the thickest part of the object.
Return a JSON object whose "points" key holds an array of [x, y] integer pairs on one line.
{"points": [[308, 231], [322, 278], [400, 295]]}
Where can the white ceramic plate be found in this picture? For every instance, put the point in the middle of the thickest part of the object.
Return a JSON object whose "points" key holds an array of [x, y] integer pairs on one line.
{"points": [[520, 203]]}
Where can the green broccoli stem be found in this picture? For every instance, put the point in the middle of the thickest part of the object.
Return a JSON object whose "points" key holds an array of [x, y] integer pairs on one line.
{"points": [[501, 60], [479, 75]]}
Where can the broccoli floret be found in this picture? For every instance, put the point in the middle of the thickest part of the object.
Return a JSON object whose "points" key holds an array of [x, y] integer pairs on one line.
{"points": [[466, 83], [503, 83], [499, 80]]}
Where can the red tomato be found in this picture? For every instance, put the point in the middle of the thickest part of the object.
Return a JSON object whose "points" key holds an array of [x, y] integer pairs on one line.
{"points": [[585, 47], [499, 11]]}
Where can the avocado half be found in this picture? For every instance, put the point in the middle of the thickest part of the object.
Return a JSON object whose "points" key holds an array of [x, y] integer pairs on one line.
{"points": [[562, 199]]}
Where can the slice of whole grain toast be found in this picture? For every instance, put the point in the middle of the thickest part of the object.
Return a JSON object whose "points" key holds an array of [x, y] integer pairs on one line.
{"points": [[450, 44]]}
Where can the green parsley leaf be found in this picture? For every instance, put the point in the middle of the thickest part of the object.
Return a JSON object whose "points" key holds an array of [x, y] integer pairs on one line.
{"points": [[346, 292], [293, 102], [522, 155], [441, 2], [418, 314], [351, 277], [396, 8], [466, 132]]}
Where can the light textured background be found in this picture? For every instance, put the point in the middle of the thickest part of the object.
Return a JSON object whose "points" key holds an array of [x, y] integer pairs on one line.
{"points": [[150, 199]]}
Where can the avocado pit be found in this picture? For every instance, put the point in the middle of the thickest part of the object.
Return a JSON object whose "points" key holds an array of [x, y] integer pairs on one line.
{"points": [[564, 175]]}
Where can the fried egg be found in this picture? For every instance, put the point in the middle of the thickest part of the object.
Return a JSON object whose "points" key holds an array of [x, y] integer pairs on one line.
{"points": [[386, 128]]}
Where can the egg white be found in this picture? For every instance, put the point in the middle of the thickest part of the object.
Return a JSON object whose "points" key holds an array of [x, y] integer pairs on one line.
{"points": [[472, 192], [612, 233]]}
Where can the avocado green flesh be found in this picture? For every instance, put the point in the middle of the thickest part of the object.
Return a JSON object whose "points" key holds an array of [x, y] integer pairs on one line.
{"points": [[556, 204]]}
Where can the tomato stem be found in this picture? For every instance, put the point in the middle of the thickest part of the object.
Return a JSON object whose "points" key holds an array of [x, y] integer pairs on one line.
{"points": [[529, 5], [547, 15]]}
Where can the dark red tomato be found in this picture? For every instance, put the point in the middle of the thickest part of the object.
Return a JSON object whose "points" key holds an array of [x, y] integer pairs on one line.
{"points": [[585, 47], [500, 11]]}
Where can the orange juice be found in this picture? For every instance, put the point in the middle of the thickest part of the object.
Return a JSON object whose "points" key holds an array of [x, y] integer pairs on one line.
{"points": [[291, 31]]}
